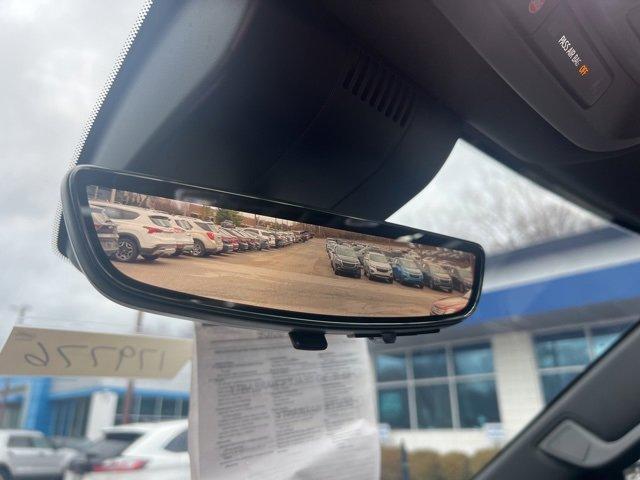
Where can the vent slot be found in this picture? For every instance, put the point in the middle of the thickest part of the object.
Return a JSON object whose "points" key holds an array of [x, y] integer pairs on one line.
{"points": [[379, 87]]}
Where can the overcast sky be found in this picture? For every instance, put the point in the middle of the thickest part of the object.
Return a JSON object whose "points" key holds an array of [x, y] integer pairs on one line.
{"points": [[56, 56]]}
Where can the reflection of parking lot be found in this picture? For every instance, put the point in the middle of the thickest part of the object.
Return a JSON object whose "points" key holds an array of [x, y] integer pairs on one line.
{"points": [[297, 277]]}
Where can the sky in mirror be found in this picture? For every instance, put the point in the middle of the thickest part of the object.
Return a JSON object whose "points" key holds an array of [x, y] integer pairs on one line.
{"points": [[59, 55]]}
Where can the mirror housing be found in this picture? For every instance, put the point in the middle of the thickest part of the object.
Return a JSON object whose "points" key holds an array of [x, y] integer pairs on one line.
{"points": [[306, 326]]}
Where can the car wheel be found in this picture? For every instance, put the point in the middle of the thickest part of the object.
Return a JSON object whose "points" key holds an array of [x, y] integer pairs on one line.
{"points": [[420, 286], [198, 249], [391, 280], [150, 258], [359, 275], [127, 249], [431, 283]]}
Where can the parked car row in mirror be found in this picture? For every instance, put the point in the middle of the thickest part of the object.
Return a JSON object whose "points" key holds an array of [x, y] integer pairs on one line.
{"points": [[389, 265], [128, 232]]}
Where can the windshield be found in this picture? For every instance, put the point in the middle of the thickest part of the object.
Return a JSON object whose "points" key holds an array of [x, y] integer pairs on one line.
{"points": [[345, 251], [466, 274], [560, 286], [470, 394], [407, 263], [437, 269], [376, 257]]}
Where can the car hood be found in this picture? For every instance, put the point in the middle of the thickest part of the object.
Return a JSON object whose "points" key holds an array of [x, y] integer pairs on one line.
{"points": [[442, 276], [379, 264], [413, 271], [451, 302]]}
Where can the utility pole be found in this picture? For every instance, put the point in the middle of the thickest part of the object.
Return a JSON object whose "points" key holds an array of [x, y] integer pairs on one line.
{"points": [[22, 312], [404, 462], [128, 397]]}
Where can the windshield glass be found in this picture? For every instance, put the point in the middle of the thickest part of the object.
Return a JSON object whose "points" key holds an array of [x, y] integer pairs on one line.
{"points": [[407, 263], [345, 251], [437, 269], [560, 286], [466, 274], [376, 257], [551, 266]]}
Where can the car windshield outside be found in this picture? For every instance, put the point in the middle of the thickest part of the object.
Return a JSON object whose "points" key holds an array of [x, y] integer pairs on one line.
{"points": [[463, 397], [407, 263], [377, 257], [560, 286], [436, 269], [345, 251], [464, 273]]}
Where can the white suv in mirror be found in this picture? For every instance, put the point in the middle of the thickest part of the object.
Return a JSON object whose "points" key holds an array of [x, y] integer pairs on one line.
{"points": [[141, 232]]}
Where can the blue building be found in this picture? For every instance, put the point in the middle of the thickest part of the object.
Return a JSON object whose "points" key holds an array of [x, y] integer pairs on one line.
{"points": [[82, 406]]}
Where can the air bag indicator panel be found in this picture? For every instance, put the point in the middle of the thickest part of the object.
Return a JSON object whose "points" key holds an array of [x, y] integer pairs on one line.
{"points": [[570, 56]]}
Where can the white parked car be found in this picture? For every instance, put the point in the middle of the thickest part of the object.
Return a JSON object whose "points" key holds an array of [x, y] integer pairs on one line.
{"points": [[141, 231], [207, 239], [184, 236], [140, 451], [106, 230], [29, 454], [264, 234]]}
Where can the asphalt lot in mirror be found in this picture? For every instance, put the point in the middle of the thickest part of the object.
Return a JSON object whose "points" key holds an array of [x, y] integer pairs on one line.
{"points": [[298, 277]]}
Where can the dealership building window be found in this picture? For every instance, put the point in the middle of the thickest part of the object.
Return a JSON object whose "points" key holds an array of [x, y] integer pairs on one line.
{"points": [[69, 416], [442, 387], [561, 356], [11, 414], [151, 408]]}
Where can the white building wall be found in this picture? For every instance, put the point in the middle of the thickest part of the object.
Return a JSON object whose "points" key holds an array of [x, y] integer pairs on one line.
{"points": [[442, 441], [102, 413], [519, 400], [517, 384]]}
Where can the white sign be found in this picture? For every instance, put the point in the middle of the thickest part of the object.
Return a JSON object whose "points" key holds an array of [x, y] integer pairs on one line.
{"points": [[262, 410], [43, 351]]}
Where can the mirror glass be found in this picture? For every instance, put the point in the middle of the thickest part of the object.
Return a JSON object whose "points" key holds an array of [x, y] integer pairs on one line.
{"points": [[244, 258]]}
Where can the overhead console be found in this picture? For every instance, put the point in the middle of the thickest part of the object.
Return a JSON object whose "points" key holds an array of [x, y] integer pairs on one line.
{"points": [[576, 62]]}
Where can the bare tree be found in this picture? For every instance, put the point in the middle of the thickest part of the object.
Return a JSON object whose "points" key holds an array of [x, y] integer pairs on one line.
{"points": [[476, 198]]}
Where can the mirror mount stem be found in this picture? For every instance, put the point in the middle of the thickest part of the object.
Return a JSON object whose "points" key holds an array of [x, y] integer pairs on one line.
{"points": [[305, 340]]}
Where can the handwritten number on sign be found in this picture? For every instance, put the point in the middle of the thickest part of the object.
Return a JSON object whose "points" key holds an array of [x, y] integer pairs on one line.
{"points": [[62, 348], [43, 359], [142, 352], [94, 353], [125, 352], [36, 361]]}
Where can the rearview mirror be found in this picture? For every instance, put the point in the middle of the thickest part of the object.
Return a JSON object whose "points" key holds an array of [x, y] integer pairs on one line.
{"points": [[227, 258]]}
